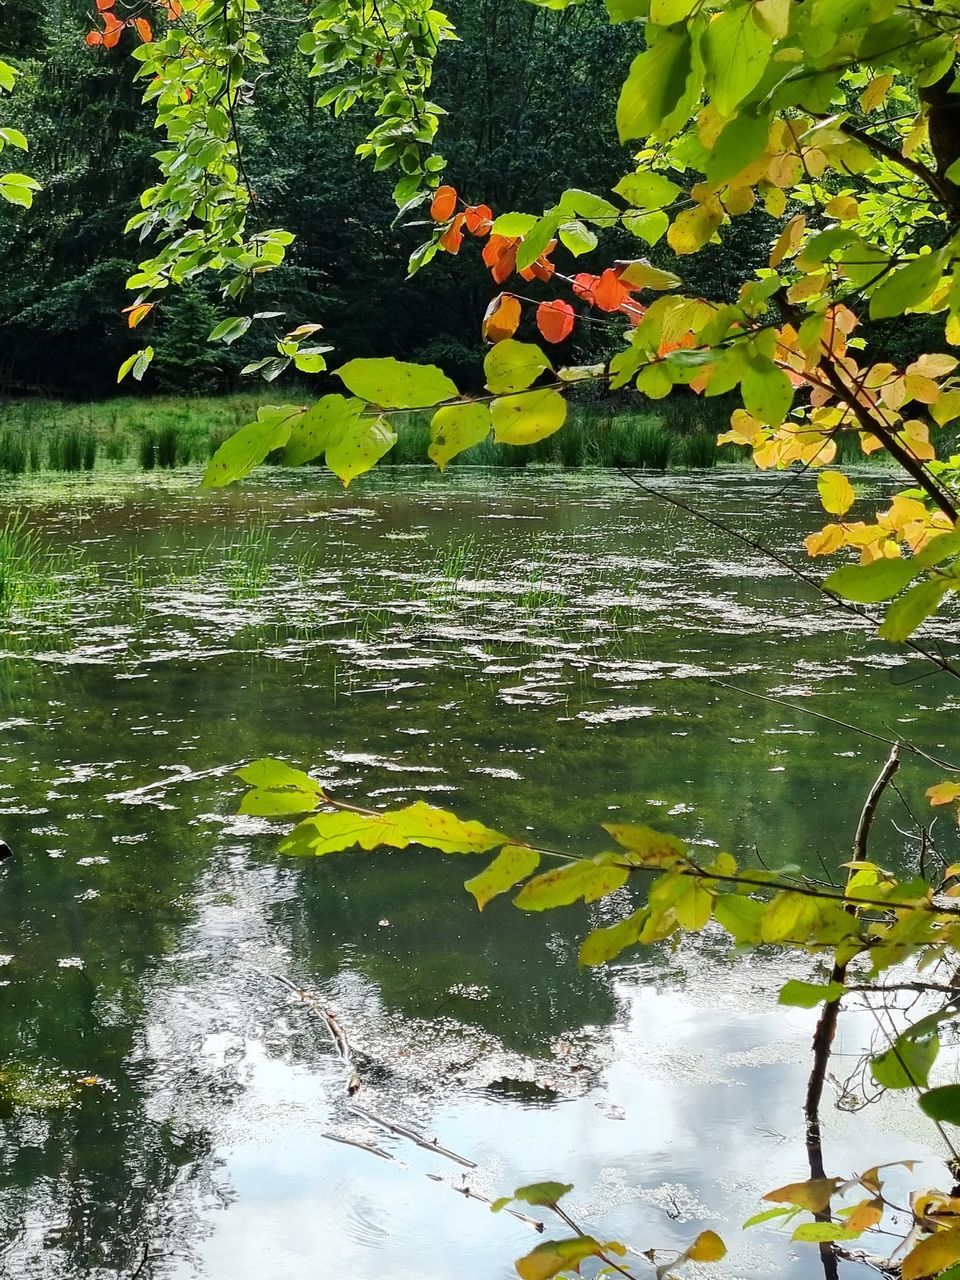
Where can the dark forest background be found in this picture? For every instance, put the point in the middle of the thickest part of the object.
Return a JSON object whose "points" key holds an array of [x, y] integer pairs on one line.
{"points": [[531, 95]]}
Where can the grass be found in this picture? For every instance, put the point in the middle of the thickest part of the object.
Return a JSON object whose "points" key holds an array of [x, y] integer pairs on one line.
{"points": [[164, 432]]}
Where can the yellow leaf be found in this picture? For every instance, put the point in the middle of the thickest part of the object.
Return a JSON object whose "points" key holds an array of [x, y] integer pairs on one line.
{"points": [[825, 541], [775, 201], [865, 1215], [875, 92], [788, 242], [931, 1256], [814, 1194], [933, 365], [947, 408], [843, 207], [692, 229], [708, 1247], [836, 492], [944, 793]]}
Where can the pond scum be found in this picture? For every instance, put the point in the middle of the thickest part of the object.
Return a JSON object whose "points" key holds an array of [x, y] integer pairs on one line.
{"points": [[169, 432]]}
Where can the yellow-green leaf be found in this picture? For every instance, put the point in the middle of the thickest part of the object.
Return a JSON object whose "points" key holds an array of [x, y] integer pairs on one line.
{"points": [[814, 1194], [393, 384], [528, 417], [585, 878], [358, 446], [512, 864], [512, 366], [313, 431], [248, 447], [456, 427], [418, 823], [646, 847]]}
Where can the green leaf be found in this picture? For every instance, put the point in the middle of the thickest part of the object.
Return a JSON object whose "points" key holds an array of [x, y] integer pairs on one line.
{"points": [[907, 286], [741, 917], [231, 329], [313, 432], [769, 1214], [393, 384], [585, 878], [655, 85], [358, 446], [914, 606], [602, 945], [576, 203], [938, 549], [528, 417], [14, 138], [512, 366], [514, 224], [418, 823], [457, 427], [870, 583], [577, 238], [767, 391], [536, 240], [906, 1063], [248, 447], [514, 862], [276, 774], [942, 1104], [543, 1194], [736, 51], [647, 190], [649, 227], [807, 995], [740, 142]]}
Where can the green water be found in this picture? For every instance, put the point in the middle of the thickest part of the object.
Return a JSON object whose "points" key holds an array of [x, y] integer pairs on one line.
{"points": [[539, 651]]}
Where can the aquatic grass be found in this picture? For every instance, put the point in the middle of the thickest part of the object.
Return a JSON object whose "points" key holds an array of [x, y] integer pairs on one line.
{"points": [[696, 451]]}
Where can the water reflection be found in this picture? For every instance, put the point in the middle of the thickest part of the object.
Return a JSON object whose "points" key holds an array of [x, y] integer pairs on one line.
{"points": [[537, 651]]}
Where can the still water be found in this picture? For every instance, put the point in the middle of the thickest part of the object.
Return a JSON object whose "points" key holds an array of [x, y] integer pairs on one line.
{"points": [[538, 651]]}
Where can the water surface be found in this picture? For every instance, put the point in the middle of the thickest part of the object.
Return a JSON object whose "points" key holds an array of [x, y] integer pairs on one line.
{"points": [[540, 651]]}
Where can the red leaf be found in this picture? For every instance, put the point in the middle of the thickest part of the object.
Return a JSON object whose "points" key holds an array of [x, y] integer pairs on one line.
{"points": [[452, 238], [609, 293], [633, 310], [501, 319], [144, 29], [94, 38], [555, 320], [444, 204], [479, 219]]}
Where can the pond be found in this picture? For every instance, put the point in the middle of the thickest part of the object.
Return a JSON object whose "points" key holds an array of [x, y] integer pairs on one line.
{"points": [[539, 651]]}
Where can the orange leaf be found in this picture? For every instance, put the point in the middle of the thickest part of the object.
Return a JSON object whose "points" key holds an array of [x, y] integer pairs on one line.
{"points": [[555, 320], [502, 317], [444, 204], [112, 23], [542, 270], [105, 4], [139, 311], [609, 293], [500, 255], [174, 10], [584, 284], [94, 38], [479, 219], [112, 38], [452, 238], [144, 29]]}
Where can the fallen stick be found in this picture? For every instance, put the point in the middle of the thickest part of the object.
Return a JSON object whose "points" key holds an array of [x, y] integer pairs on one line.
{"points": [[413, 1136]]}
